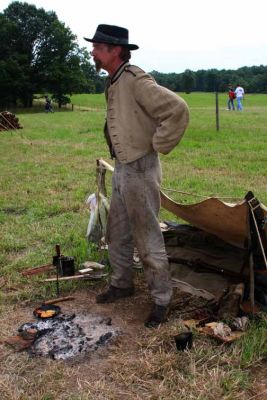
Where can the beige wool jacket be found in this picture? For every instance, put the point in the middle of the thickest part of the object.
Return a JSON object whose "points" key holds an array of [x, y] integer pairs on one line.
{"points": [[141, 115]]}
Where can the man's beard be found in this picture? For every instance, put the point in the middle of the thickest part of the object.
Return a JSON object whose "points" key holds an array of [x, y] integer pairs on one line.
{"points": [[98, 65]]}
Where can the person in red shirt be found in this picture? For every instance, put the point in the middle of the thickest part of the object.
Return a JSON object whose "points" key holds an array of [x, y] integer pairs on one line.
{"points": [[231, 97]]}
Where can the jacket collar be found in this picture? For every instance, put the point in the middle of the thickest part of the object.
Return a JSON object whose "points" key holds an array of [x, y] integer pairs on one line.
{"points": [[119, 71]]}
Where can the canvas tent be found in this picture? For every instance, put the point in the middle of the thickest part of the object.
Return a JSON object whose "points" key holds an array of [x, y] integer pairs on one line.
{"points": [[228, 221], [213, 248], [213, 251]]}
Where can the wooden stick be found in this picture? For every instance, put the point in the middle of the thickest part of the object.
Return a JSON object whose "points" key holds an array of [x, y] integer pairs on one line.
{"points": [[105, 164], [38, 270], [59, 299], [5, 128], [68, 278]]}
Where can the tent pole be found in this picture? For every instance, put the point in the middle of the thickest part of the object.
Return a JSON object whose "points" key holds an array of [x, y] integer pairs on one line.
{"points": [[257, 230], [251, 282], [251, 262]]}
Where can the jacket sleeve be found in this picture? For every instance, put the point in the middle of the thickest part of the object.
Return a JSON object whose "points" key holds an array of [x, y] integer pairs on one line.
{"points": [[169, 111]]}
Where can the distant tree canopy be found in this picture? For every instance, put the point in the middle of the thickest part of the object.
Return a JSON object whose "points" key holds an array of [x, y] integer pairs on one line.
{"points": [[253, 79], [39, 54]]}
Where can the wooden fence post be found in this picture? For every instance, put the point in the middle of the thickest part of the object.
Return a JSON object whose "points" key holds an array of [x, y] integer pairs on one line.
{"points": [[217, 110]]}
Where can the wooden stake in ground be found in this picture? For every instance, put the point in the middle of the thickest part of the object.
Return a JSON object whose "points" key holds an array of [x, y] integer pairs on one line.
{"points": [[59, 300], [217, 111]]}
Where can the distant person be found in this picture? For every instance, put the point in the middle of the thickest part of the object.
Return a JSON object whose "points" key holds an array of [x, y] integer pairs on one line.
{"points": [[239, 92], [48, 105], [231, 97]]}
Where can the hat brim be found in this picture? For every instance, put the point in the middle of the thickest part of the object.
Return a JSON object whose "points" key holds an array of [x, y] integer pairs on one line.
{"points": [[128, 46]]}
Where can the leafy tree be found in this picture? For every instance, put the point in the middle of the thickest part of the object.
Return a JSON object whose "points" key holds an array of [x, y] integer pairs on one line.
{"points": [[170, 81], [42, 54], [211, 80], [11, 64], [258, 83], [200, 77], [29, 23], [188, 81], [58, 65]]}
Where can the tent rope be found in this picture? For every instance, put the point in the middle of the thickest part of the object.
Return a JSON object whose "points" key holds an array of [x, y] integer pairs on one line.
{"points": [[201, 195]]}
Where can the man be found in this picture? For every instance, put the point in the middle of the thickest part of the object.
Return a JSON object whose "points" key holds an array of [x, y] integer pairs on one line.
{"points": [[239, 92], [143, 119]]}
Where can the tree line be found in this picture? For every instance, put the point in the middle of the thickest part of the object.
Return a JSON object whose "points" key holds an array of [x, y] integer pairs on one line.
{"points": [[253, 79], [40, 55]]}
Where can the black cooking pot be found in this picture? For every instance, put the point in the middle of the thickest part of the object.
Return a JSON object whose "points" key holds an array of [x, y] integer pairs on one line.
{"points": [[65, 265]]}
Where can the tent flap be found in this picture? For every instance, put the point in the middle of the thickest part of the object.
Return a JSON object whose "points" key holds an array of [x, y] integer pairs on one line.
{"points": [[227, 221]]}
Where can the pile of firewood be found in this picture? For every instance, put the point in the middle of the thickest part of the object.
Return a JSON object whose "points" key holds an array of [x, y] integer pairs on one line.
{"points": [[9, 121]]}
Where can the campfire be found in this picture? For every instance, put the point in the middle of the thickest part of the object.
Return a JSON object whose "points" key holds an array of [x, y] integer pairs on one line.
{"points": [[67, 336]]}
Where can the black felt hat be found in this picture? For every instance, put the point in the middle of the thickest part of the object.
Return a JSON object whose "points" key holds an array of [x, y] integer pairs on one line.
{"points": [[112, 34]]}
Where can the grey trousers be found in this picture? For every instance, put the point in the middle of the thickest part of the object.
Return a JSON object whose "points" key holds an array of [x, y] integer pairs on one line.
{"points": [[132, 221]]}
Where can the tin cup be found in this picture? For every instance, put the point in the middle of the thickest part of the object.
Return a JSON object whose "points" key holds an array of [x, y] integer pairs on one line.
{"points": [[184, 340]]}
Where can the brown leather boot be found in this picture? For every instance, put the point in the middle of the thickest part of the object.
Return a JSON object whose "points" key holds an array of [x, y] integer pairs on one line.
{"points": [[157, 316], [113, 293]]}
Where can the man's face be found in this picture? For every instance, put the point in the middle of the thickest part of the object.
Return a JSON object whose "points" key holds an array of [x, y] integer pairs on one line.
{"points": [[103, 56]]}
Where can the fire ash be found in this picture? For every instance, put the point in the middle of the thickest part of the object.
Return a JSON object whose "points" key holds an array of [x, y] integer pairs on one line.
{"points": [[66, 336]]}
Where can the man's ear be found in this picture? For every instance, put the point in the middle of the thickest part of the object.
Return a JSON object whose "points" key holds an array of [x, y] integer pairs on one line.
{"points": [[117, 50]]}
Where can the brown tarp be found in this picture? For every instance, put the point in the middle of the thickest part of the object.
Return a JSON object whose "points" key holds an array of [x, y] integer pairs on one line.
{"points": [[226, 220]]}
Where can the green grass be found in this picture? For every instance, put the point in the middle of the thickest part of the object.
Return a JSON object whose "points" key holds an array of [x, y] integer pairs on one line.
{"points": [[196, 100], [49, 168], [89, 100]]}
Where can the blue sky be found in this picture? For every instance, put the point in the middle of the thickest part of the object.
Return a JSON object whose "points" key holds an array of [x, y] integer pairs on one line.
{"points": [[174, 35]]}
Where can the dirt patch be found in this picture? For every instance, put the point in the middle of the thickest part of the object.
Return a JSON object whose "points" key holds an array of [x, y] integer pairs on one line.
{"points": [[86, 373], [139, 364], [127, 315], [259, 377]]}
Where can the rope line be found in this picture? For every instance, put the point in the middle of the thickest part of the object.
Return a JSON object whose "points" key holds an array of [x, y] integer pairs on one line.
{"points": [[201, 195]]}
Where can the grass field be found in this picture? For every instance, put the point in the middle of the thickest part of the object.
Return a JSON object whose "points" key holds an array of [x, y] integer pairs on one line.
{"points": [[47, 172]]}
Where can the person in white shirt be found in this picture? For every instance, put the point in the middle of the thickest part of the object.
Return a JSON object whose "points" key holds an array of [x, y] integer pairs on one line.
{"points": [[239, 92]]}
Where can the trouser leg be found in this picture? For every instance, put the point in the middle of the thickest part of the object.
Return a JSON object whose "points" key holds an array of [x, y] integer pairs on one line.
{"points": [[138, 186], [119, 239], [239, 104]]}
